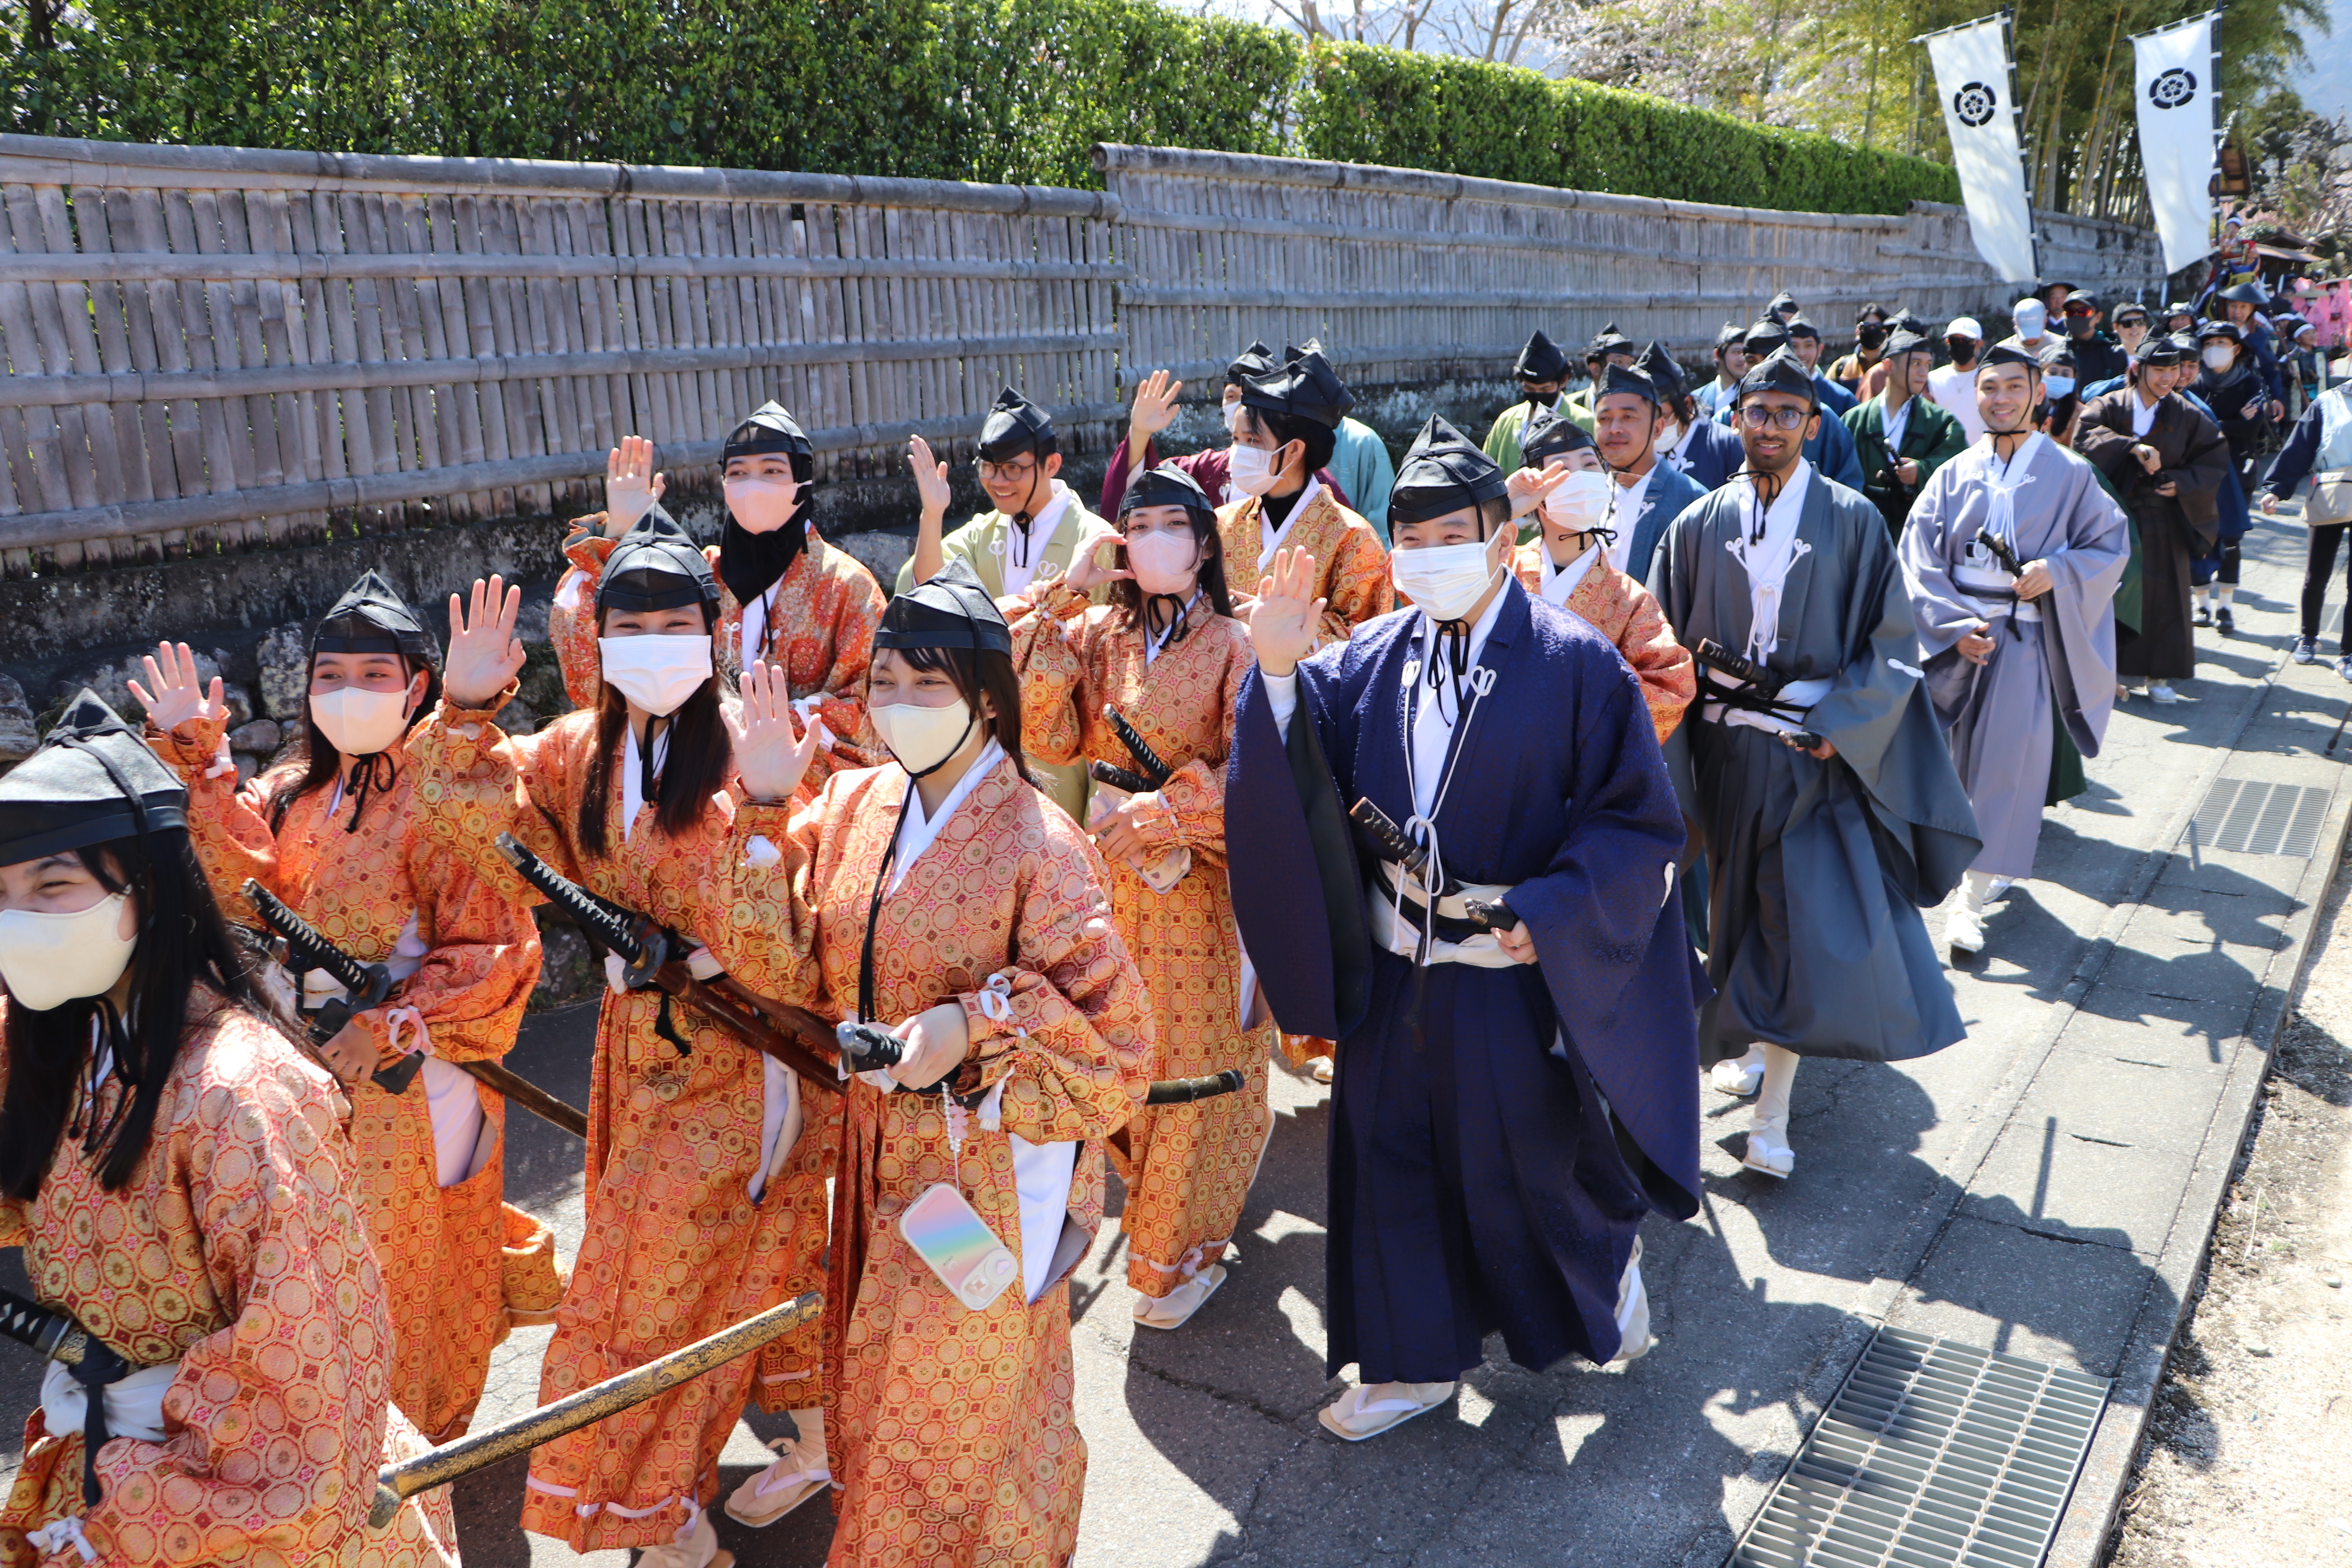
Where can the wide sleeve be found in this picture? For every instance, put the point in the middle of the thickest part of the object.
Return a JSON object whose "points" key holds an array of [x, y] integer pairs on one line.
{"points": [[1356, 581], [1669, 673], [1188, 812], [2100, 441], [1950, 442], [228, 825], [1940, 613], [277, 1421], [1115, 476], [957, 544], [2198, 477], [1050, 626], [475, 782], [571, 626], [1063, 1031], [481, 961], [751, 896]]}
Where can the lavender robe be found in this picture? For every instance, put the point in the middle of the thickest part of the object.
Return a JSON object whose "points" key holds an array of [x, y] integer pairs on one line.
{"points": [[1998, 716], [1480, 1180]]}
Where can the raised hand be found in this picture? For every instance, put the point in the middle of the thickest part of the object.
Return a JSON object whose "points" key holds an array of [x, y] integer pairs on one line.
{"points": [[1154, 411], [771, 756], [1282, 622], [484, 655], [631, 486], [174, 693], [1528, 486], [1092, 563], [931, 477]]}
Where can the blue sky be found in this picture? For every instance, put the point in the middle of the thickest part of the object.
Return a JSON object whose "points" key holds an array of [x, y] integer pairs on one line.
{"points": [[2325, 84]]}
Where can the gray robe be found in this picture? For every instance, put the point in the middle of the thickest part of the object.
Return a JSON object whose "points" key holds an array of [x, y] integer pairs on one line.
{"points": [[1817, 871], [2052, 662]]}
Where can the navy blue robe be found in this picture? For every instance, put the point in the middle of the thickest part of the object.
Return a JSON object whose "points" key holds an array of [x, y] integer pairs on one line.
{"points": [[1479, 1181]]}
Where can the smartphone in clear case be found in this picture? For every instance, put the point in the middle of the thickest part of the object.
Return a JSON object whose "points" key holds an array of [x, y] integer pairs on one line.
{"points": [[948, 1234]]}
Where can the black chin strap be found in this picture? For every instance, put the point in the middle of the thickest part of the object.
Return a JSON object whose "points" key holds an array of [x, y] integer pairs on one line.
{"points": [[1768, 488], [648, 770], [372, 773]]}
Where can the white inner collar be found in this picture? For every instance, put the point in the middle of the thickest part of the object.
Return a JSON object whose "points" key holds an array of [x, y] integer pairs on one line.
{"points": [[917, 832], [1559, 581]]}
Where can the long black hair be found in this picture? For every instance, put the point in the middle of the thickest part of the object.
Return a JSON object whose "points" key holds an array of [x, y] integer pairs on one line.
{"points": [[989, 672], [1128, 596], [701, 752], [184, 942], [315, 766]]}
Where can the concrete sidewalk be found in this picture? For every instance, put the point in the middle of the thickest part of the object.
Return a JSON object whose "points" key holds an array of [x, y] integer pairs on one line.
{"points": [[2045, 1187]]}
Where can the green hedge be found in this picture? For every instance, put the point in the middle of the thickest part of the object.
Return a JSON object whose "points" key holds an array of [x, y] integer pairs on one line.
{"points": [[977, 89]]}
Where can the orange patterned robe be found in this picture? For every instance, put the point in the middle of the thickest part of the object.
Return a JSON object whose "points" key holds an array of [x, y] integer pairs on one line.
{"points": [[236, 1250], [1351, 566], [444, 1250], [820, 617], [1623, 611], [1187, 1167], [676, 1248], [951, 1430]]}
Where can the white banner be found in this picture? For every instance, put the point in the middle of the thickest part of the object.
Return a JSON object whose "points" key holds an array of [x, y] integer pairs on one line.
{"points": [[1972, 81], [2176, 136]]}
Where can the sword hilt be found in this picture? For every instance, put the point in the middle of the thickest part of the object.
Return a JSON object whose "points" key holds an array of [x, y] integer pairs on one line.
{"points": [[1386, 836], [643, 946], [1493, 914], [1739, 667], [1118, 777], [1184, 1090], [365, 985], [866, 1048], [1147, 761]]}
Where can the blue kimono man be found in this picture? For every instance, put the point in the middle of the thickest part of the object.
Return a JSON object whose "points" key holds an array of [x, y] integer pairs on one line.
{"points": [[1628, 414], [1517, 1071]]}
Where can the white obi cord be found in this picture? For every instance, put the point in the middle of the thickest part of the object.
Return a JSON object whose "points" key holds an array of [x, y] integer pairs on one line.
{"points": [[1796, 693], [462, 1144], [1979, 570]]}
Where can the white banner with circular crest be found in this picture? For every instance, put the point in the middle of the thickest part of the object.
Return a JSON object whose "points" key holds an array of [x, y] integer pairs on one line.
{"points": [[2176, 97], [1972, 81]]}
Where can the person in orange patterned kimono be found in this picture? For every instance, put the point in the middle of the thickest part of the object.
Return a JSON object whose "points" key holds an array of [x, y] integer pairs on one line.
{"points": [[1167, 654], [173, 1168], [1569, 565], [786, 598], [946, 898], [337, 836], [705, 1200], [1284, 433]]}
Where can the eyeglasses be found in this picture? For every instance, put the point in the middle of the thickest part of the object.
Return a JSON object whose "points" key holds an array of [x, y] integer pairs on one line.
{"points": [[2077, 307], [1756, 416], [1005, 473]]}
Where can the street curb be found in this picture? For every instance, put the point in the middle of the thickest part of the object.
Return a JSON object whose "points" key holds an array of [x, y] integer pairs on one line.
{"points": [[2082, 1538]]}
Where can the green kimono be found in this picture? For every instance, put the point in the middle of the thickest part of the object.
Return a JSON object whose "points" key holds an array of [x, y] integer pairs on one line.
{"points": [[980, 544], [1502, 442], [1931, 438]]}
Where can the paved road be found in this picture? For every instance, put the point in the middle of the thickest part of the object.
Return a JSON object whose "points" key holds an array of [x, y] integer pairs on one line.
{"points": [[1972, 1193]]}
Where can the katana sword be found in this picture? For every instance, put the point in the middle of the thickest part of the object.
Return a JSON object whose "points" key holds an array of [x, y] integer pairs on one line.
{"points": [[1148, 764], [479, 1451], [1758, 682], [55, 1336], [2002, 551], [1184, 1090], [303, 940], [654, 959], [1491, 914]]}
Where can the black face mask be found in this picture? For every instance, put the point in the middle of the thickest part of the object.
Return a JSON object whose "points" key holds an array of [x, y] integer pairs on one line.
{"points": [[1960, 348], [1870, 335], [2078, 326]]}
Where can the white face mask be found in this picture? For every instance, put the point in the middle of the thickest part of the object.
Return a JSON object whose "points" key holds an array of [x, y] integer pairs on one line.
{"points": [[1580, 502], [763, 505], [656, 673], [923, 738], [1233, 412], [359, 723], [50, 960], [1669, 432], [2220, 358], [1442, 580], [1163, 562], [1252, 469], [2058, 387]]}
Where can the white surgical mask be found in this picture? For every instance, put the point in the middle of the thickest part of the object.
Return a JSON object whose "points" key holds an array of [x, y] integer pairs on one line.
{"points": [[1233, 413], [656, 673], [359, 723], [763, 505], [1442, 580], [1252, 469], [49, 960], [2057, 386], [2218, 357], [1164, 562], [923, 738], [1580, 502], [1669, 432]]}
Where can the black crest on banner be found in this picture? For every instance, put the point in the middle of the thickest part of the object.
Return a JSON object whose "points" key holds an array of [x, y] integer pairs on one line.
{"points": [[2173, 89], [1975, 103]]}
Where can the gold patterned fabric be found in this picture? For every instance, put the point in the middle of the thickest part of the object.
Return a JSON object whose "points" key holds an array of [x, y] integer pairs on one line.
{"points": [[1624, 611], [236, 1249], [951, 1430], [442, 1250], [674, 1248], [1351, 566], [820, 624], [1188, 1168]]}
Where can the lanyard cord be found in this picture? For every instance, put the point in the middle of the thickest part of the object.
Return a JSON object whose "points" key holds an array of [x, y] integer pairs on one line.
{"points": [[1423, 828]]}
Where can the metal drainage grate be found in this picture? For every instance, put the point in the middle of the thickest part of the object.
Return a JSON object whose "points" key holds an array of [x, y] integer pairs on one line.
{"points": [[2256, 818], [1933, 1453]]}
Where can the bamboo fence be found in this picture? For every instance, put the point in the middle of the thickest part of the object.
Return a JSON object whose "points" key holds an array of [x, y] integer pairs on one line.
{"points": [[221, 350], [1410, 276], [227, 349]]}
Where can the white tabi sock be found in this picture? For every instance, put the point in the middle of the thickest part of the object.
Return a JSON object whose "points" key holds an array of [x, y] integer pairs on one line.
{"points": [[1779, 1077], [1976, 891]]}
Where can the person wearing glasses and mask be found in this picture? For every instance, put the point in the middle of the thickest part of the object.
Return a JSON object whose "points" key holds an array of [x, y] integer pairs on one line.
{"points": [[786, 598], [707, 1164], [1168, 655], [173, 1170], [1517, 1083], [1829, 813], [2013, 659], [2169, 461], [1283, 434], [2096, 357], [341, 836], [1034, 532], [942, 898]]}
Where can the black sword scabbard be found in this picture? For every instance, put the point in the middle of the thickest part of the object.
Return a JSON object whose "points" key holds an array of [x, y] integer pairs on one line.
{"points": [[1147, 761], [640, 943], [1184, 1090], [1111, 773]]}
